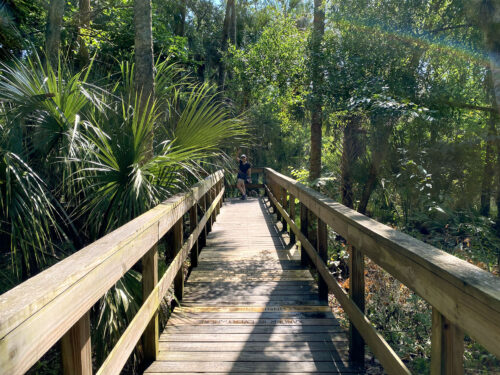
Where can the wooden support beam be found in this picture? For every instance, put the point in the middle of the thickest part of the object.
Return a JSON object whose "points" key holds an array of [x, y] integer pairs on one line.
{"points": [[304, 229], [322, 246], [277, 194], [149, 282], [447, 351], [208, 202], [292, 217], [202, 242], [213, 194], [217, 191], [392, 364], [357, 295], [468, 296], [121, 352], [179, 277], [193, 223], [383, 352], [76, 348], [284, 204], [60, 296]]}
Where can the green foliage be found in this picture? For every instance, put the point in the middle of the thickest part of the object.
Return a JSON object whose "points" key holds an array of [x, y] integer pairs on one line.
{"points": [[73, 154]]}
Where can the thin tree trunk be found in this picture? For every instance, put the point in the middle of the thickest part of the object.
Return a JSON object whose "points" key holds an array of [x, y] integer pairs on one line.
{"points": [[317, 79], [489, 161], [486, 15], [181, 24], [53, 31], [229, 20], [351, 149], [497, 224], [84, 19], [380, 145], [143, 46], [143, 75], [232, 24], [489, 166]]}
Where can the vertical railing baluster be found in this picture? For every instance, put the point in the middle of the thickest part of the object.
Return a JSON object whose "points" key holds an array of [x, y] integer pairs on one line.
{"points": [[447, 346], [149, 281], [76, 348], [271, 188], [193, 223], [212, 199], [177, 244], [277, 195], [203, 235], [208, 202], [304, 228], [284, 204], [357, 295], [322, 246], [217, 191], [291, 206]]}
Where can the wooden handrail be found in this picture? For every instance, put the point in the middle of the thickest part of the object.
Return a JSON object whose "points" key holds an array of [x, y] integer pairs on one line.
{"points": [[466, 296], [37, 313]]}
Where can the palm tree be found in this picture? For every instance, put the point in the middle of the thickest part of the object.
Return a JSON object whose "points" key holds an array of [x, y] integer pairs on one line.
{"points": [[92, 147]]}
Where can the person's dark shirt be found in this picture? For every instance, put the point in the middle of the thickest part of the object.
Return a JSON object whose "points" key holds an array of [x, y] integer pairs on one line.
{"points": [[242, 172]]}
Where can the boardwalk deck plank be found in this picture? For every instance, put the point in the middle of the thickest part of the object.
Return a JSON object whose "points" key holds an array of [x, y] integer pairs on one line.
{"points": [[250, 307]]}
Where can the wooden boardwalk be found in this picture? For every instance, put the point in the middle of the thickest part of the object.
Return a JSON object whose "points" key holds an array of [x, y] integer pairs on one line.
{"points": [[249, 307]]}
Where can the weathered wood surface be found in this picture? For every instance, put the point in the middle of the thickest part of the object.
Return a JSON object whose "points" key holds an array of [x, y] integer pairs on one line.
{"points": [[61, 295], [250, 307], [466, 295], [390, 361]]}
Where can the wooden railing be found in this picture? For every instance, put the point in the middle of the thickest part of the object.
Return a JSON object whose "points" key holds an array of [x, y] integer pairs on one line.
{"points": [[55, 304], [464, 298]]}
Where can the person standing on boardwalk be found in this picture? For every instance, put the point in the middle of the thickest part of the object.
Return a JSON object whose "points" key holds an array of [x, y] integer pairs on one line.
{"points": [[244, 175]]}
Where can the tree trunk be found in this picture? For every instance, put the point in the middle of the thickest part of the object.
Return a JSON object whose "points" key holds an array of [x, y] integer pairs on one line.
{"points": [[316, 95], [143, 75], [143, 46], [351, 149], [53, 31], [486, 15], [181, 23], [84, 22], [380, 143], [227, 34], [489, 161]]}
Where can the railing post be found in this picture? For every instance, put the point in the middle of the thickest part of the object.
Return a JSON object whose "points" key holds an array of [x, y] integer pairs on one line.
{"points": [[284, 204], [304, 228], [76, 348], [177, 244], [212, 199], [291, 206], [447, 346], [203, 234], [208, 202], [223, 184], [277, 195], [357, 295], [271, 189], [216, 193], [322, 239], [149, 281], [193, 223]]}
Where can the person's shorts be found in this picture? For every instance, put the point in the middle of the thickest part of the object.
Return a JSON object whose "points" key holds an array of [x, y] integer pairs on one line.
{"points": [[240, 179]]}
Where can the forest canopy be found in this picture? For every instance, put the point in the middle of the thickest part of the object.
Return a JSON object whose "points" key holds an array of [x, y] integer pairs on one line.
{"points": [[108, 107]]}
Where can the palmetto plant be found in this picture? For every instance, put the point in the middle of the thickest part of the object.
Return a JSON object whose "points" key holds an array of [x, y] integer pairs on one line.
{"points": [[66, 143], [27, 213], [39, 108], [124, 172]]}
